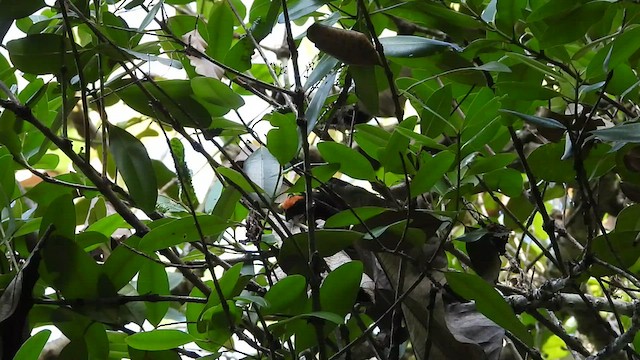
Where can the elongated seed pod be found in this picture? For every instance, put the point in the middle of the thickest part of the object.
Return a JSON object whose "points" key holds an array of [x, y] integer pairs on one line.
{"points": [[349, 46]]}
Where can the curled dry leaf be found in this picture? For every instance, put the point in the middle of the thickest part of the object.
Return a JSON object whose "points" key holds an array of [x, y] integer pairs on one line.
{"points": [[349, 46], [202, 66]]}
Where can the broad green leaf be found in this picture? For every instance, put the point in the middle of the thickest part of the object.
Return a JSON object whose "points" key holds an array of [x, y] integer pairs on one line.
{"points": [[9, 125], [518, 90], [41, 54], [353, 216], [161, 339], [226, 203], [321, 174], [230, 285], [236, 178], [12, 10], [509, 12], [171, 100], [62, 216], [152, 279], [489, 302], [286, 295], [537, 120], [616, 248], [68, 269], [108, 225], [352, 163], [134, 165], [220, 30], [215, 92], [420, 139], [481, 165], [629, 219], [414, 46], [183, 230], [34, 345], [340, 288], [547, 164], [265, 171], [431, 170], [366, 86], [294, 253], [394, 157], [318, 100], [536, 65], [300, 8], [435, 115], [507, 181], [619, 51], [371, 139], [7, 178], [282, 141], [123, 264], [322, 68], [623, 133]]}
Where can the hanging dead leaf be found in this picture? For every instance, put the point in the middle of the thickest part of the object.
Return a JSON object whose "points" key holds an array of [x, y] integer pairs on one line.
{"points": [[349, 46]]}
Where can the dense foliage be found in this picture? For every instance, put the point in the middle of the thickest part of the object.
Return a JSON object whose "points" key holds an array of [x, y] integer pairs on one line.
{"points": [[443, 180]]}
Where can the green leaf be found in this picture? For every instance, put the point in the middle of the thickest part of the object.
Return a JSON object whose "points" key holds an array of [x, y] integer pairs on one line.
{"points": [[518, 90], [123, 264], [321, 174], [489, 303], [431, 170], [537, 120], [366, 86], [220, 30], [34, 345], [420, 139], [623, 133], [509, 12], [315, 106], [282, 141], [230, 285], [436, 112], [352, 163], [12, 10], [265, 171], [322, 68], [536, 65], [183, 230], [629, 219], [226, 203], [215, 92], [508, 181], [618, 248], [294, 253], [353, 216], [155, 340], [618, 52], [300, 8], [70, 270], [414, 46], [153, 280], [175, 97], [134, 165], [286, 295], [7, 178], [41, 54], [340, 288], [236, 178], [62, 215]]}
